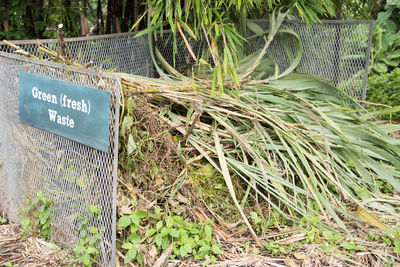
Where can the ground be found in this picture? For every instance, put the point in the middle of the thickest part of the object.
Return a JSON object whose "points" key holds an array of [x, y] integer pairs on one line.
{"points": [[21, 250], [18, 249]]}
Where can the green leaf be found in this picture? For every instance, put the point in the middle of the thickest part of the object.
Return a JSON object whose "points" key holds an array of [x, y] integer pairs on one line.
{"points": [[131, 145], [134, 238], [256, 28], [328, 248], [94, 209], [79, 250], [380, 67], [164, 232], [130, 255], [86, 259], [150, 232], [159, 225], [393, 54], [54, 17], [141, 214], [174, 233], [25, 221], [396, 248], [182, 251], [92, 250], [149, 30], [138, 21], [165, 242], [126, 123], [83, 233], [135, 219], [177, 219], [352, 246], [134, 227], [124, 221], [127, 246], [93, 230], [205, 248], [169, 222], [132, 252], [216, 249]]}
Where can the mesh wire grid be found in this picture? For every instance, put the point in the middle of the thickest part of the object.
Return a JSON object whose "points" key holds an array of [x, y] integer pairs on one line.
{"points": [[73, 175], [182, 60], [337, 51], [117, 52]]}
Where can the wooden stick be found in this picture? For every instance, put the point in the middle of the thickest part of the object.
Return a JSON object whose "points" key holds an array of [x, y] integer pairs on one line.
{"points": [[54, 54], [19, 49]]}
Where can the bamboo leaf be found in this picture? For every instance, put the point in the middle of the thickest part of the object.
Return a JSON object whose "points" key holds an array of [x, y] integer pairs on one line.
{"points": [[369, 218], [186, 42], [228, 182]]}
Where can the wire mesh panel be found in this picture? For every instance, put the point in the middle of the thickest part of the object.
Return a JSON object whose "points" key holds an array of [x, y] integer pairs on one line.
{"points": [[73, 175], [119, 52], [335, 50], [182, 60]]}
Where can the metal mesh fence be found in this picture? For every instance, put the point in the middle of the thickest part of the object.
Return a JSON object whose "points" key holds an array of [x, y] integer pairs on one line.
{"points": [[182, 60], [73, 175], [119, 52], [335, 50]]}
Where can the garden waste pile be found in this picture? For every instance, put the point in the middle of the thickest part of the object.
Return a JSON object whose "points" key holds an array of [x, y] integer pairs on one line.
{"points": [[273, 158]]}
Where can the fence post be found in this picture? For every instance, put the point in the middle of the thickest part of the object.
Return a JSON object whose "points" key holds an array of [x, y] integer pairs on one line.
{"points": [[367, 59]]}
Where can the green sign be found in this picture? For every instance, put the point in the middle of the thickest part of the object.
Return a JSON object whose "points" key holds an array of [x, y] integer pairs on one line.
{"points": [[73, 111]]}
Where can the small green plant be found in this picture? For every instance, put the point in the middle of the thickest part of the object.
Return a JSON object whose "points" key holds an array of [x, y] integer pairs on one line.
{"points": [[393, 239], [275, 248], [39, 210], [330, 240], [384, 90], [315, 233], [86, 251], [385, 47], [133, 240], [2, 220], [260, 224], [188, 238], [351, 245], [26, 224], [9, 264]]}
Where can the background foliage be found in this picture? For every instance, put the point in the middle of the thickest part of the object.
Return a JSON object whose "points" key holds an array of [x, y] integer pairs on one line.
{"points": [[386, 39], [21, 19], [384, 89]]}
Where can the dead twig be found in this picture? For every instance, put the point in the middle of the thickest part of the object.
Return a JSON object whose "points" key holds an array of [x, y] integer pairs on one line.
{"points": [[163, 259]]}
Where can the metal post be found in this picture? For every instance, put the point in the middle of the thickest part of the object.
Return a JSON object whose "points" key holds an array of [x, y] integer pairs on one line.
{"points": [[367, 58], [114, 175]]}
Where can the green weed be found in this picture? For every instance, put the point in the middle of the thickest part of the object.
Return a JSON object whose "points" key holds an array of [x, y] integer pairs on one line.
{"points": [[2, 220], [86, 251], [393, 239], [37, 216], [9, 264], [188, 238]]}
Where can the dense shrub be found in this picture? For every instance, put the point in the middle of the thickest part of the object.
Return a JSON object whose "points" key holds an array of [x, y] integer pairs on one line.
{"points": [[385, 89]]}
